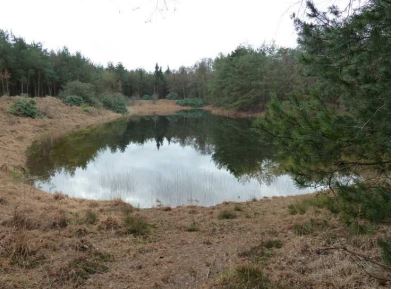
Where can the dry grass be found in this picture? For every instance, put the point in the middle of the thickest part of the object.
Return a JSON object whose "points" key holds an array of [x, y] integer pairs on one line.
{"points": [[18, 249], [76, 271], [21, 220], [244, 277], [91, 217], [157, 107], [110, 224], [230, 113], [59, 196], [192, 227], [57, 220]]}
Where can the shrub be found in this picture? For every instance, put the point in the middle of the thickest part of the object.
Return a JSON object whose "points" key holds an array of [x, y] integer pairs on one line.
{"points": [[171, 96], [364, 201], [226, 214], [147, 97], [136, 225], [115, 102], [24, 107], [73, 100], [193, 102], [353, 203], [77, 88]]}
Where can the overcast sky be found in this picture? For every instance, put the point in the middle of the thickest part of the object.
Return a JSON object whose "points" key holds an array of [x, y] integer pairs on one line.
{"points": [[140, 33]]}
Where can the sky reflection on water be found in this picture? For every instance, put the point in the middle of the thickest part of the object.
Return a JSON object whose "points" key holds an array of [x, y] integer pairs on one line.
{"points": [[173, 175]]}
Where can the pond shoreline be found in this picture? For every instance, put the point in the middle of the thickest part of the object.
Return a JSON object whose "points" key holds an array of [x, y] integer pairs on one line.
{"points": [[184, 247], [191, 157]]}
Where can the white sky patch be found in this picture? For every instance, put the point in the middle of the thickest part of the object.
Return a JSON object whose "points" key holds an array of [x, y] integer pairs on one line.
{"points": [[139, 34]]}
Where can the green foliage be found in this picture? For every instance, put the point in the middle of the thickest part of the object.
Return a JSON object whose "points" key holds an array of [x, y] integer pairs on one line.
{"points": [[246, 79], [78, 93], [359, 226], [24, 107], [85, 91], [160, 85], [171, 96], [114, 102], [193, 102], [372, 203], [73, 100], [190, 82], [339, 131], [147, 97]]}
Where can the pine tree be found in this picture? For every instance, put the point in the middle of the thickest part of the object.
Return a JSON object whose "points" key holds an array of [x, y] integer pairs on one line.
{"points": [[342, 127]]}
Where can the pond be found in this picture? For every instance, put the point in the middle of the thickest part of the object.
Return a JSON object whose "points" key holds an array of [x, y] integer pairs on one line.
{"points": [[190, 158]]}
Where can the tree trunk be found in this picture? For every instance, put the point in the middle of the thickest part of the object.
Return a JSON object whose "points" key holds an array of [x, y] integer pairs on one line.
{"points": [[8, 90], [2, 85]]}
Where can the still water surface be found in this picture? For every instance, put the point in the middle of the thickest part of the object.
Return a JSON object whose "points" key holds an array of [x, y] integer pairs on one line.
{"points": [[188, 158]]}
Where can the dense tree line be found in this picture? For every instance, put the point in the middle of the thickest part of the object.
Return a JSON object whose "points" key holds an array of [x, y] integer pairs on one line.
{"points": [[247, 78], [244, 79], [29, 69]]}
